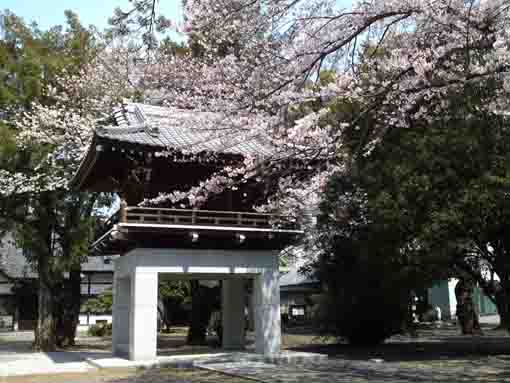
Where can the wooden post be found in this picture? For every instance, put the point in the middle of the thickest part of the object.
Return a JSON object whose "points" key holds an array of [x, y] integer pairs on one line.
{"points": [[123, 211]]}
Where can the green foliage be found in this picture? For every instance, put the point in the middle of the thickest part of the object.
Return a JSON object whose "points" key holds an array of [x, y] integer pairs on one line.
{"points": [[368, 278], [174, 296], [100, 330], [53, 227], [102, 304], [445, 186], [427, 203], [30, 58], [177, 291]]}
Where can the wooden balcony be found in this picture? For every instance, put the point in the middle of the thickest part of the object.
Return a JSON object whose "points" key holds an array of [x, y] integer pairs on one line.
{"points": [[145, 215], [160, 226]]}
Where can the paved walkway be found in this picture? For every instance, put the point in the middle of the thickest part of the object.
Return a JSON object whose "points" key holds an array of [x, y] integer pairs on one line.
{"points": [[438, 355], [488, 370], [17, 359]]}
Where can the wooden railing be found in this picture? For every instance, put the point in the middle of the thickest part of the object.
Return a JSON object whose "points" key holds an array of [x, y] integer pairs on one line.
{"points": [[147, 215], [161, 216]]}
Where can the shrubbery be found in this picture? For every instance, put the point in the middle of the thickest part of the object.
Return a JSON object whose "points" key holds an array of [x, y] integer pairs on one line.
{"points": [[100, 330], [367, 276], [364, 306]]}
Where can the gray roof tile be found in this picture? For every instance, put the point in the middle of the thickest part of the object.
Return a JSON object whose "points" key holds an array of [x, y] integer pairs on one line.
{"points": [[170, 128], [293, 278]]}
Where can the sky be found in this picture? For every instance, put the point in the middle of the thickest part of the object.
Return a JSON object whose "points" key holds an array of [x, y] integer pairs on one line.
{"points": [[47, 13]]}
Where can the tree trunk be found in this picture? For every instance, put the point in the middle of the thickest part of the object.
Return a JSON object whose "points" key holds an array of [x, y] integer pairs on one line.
{"points": [[68, 312], [203, 301], [198, 324], [467, 313], [45, 339], [165, 314], [503, 306]]}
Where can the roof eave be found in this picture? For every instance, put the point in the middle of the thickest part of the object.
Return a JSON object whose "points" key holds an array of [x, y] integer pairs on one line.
{"points": [[86, 166]]}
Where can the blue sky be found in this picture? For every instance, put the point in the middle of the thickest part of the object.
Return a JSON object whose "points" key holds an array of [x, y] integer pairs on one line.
{"points": [[51, 12]]}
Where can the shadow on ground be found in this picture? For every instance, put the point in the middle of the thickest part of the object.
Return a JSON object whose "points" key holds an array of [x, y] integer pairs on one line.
{"points": [[433, 344]]}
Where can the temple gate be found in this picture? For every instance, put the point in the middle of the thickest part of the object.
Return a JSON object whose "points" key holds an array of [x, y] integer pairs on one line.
{"points": [[225, 241]]}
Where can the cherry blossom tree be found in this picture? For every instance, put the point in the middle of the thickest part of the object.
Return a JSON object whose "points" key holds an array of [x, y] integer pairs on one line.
{"points": [[51, 134], [258, 71]]}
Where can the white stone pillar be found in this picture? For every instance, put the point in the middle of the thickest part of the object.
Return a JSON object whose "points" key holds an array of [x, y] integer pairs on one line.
{"points": [[144, 315], [120, 317], [232, 307], [266, 300]]}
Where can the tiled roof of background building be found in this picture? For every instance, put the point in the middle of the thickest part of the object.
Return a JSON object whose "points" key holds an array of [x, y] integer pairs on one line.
{"points": [[297, 257], [293, 277]]}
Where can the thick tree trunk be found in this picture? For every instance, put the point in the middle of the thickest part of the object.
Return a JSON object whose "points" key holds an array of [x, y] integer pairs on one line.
{"points": [[197, 332], [45, 337], [467, 313], [68, 312], [165, 314], [203, 301], [503, 306]]}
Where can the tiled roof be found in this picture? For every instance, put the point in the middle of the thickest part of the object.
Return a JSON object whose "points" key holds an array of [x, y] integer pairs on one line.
{"points": [[298, 257], [167, 127], [293, 278]]}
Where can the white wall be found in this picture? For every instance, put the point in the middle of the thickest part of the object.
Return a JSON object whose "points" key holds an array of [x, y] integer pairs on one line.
{"points": [[452, 282], [94, 319], [439, 296], [442, 294]]}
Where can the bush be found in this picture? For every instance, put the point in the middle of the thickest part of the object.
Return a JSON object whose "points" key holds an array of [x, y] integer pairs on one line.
{"points": [[361, 317], [100, 330], [367, 296], [369, 259]]}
